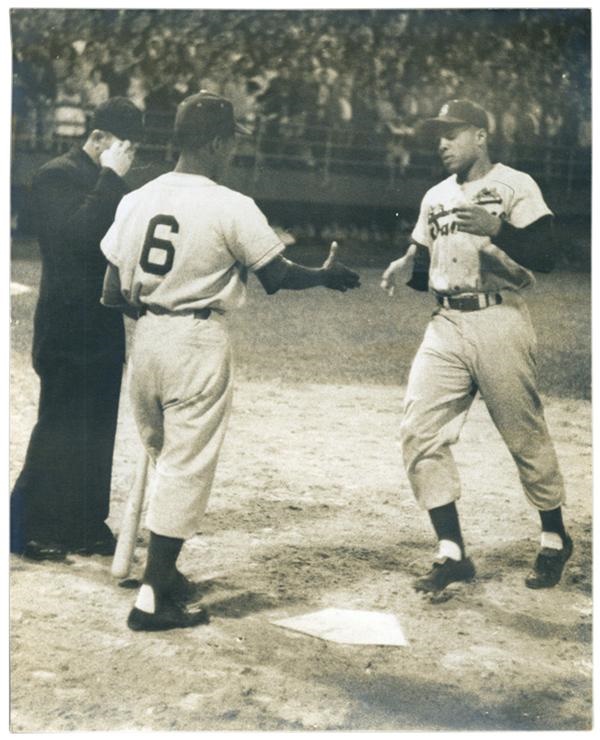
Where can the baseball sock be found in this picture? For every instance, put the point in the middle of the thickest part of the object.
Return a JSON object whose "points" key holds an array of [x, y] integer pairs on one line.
{"points": [[447, 526], [552, 525], [160, 566]]}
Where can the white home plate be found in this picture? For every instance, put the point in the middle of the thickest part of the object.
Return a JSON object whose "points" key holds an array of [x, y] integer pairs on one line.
{"points": [[19, 289], [348, 626]]}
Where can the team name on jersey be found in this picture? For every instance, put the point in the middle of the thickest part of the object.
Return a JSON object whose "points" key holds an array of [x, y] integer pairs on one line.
{"points": [[440, 217]]}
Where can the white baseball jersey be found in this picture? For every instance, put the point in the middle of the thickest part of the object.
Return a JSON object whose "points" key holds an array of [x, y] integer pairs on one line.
{"points": [[182, 242], [464, 263]]}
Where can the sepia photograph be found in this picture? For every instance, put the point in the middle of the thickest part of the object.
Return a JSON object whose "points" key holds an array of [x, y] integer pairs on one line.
{"points": [[300, 421]]}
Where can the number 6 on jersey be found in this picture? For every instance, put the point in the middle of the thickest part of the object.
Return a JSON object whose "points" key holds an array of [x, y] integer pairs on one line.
{"points": [[151, 259]]}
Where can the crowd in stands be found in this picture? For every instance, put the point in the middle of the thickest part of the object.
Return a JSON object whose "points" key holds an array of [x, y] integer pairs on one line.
{"points": [[297, 76]]}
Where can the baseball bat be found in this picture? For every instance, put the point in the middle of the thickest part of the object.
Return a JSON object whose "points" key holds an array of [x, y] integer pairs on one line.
{"points": [[131, 519]]}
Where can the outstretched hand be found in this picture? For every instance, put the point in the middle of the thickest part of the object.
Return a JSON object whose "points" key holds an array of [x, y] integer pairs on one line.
{"points": [[398, 270], [337, 275]]}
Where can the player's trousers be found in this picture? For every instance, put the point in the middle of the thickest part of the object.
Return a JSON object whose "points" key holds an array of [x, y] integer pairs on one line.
{"points": [[62, 495], [180, 384], [491, 350]]}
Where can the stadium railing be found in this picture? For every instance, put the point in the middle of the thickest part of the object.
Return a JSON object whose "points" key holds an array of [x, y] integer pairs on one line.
{"points": [[331, 151]]}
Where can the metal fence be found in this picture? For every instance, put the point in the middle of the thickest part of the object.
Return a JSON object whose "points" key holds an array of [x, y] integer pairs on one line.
{"points": [[331, 151]]}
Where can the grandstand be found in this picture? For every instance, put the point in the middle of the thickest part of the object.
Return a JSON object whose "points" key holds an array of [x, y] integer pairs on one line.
{"points": [[333, 97]]}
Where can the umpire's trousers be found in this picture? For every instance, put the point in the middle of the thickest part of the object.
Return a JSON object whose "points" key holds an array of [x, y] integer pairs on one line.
{"points": [[491, 350], [62, 495]]}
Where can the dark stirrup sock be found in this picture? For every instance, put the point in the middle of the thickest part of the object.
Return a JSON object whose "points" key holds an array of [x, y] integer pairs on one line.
{"points": [[552, 521], [446, 524], [160, 566]]}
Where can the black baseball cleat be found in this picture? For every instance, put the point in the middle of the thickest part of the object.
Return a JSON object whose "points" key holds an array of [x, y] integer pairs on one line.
{"points": [[169, 616], [39, 551], [549, 565], [444, 573]]}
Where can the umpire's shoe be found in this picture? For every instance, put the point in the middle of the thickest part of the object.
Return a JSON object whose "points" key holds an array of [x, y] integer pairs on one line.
{"points": [[34, 550], [549, 565], [101, 542], [169, 616], [445, 572]]}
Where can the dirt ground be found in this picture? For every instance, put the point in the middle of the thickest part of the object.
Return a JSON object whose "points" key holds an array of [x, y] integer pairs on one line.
{"points": [[311, 509]]}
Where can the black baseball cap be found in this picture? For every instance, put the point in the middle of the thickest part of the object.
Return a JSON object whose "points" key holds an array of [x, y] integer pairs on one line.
{"points": [[457, 112], [202, 117], [119, 116]]}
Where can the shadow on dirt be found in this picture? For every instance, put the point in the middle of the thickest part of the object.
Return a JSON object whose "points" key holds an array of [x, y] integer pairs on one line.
{"points": [[406, 702]]}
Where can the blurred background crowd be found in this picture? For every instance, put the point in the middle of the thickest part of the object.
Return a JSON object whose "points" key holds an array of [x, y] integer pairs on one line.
{"points": [[367, 75], [337, 91]]}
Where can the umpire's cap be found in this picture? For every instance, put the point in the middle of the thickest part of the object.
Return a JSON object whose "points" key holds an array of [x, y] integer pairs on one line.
{"points": [[204, 116], [456, 112], [120, 117]]}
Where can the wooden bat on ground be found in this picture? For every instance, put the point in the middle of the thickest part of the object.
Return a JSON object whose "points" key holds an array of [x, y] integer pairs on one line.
{"points": [[131, 519]]}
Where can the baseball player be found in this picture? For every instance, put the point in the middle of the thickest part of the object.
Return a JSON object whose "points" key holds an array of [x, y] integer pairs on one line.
{"points": [[478, 235], [180, 248]]}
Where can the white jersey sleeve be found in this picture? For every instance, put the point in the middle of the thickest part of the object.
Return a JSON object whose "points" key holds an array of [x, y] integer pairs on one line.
{"points": [[251, 240], [528, 203]]}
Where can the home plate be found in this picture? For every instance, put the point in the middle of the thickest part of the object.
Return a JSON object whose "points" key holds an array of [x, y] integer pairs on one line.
{"points": [[348, 626], [19, 289]]}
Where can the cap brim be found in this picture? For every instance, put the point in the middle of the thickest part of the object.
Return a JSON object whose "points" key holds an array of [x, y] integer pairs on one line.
{"points": [[433, 125], [239, 129]]}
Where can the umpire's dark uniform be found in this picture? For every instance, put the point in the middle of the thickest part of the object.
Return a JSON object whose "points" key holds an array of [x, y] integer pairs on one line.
{"points": [[62, 495]]}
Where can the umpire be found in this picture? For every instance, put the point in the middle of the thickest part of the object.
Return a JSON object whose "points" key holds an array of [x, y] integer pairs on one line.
{"points": [[61, 499]]}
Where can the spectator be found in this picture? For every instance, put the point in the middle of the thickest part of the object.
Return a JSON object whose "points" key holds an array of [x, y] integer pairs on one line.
{"points": [[116, 74], [527, 54], [96, 90], [69, 111]]}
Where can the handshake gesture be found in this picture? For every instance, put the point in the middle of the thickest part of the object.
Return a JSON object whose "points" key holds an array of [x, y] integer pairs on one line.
{"points": [[337, 275], [398, 271]]}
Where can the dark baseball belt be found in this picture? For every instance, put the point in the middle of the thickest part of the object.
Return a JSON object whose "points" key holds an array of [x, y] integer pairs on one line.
{"points": [[468, 301], [199, 313]]}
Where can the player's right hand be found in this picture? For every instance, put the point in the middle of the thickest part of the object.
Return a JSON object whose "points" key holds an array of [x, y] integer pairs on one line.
{"points": [[118, 156], [397, 270], [337, 275]]}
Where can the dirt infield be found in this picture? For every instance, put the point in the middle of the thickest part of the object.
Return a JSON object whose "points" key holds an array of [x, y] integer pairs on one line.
{"points": [[311, 509]]}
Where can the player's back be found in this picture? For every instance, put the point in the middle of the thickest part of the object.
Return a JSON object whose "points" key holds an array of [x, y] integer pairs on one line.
{"points": [[176, 243]]}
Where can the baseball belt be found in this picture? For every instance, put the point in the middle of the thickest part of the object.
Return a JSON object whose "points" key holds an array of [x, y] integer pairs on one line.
{"points": [[468, 301], [199, 313]]}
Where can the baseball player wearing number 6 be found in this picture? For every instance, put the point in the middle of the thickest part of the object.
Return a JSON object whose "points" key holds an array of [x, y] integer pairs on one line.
{"points": [[479, 233], [179, 251]]}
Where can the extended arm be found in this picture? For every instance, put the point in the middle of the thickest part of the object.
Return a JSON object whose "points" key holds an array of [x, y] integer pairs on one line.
{"points": [[281, 273], [415, 263]]}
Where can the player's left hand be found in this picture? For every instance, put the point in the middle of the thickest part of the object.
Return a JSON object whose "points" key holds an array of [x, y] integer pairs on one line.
{"points": [[477, 220], [337, 275]]}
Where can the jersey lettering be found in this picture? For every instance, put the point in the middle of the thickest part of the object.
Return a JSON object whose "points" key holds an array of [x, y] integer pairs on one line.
{"points": [[150, 260]]}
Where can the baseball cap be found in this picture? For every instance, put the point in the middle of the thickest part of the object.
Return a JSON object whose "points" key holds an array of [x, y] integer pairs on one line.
{"points": [[119, 116], [204, 115], [456, 112]]}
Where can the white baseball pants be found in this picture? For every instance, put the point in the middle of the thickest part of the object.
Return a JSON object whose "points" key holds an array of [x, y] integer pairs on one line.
{"points": [[180, 384], [491, 350]]}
